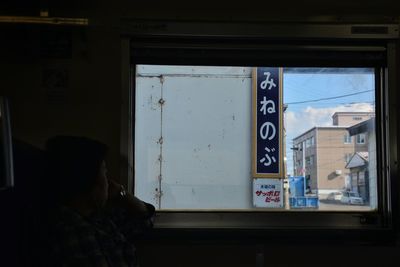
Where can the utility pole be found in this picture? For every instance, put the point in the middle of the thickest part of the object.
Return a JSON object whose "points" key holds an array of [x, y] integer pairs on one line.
{"points": [[303, 170], [285, 180]]}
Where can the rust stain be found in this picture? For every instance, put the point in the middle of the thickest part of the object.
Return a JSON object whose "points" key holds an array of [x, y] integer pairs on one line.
{"points": [[160, 141], [161, 102], [157, 195]]}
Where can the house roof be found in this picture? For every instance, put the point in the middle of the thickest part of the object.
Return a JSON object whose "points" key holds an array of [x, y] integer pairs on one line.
{"points": [[318, 128], [353, 113], [359, 159], [362, 127], [363, 155]]}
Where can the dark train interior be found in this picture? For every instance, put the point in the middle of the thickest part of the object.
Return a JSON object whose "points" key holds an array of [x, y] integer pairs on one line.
{"points": [[91, 68]]}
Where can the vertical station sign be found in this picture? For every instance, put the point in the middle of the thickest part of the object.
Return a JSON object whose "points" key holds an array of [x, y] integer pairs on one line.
{"points": [[267, 137]]}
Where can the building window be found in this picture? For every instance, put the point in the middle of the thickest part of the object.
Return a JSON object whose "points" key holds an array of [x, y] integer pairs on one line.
{"points": [[357, 118], [360, 139], [310, 141], [310, 160], [298, 163], [348, 139]]}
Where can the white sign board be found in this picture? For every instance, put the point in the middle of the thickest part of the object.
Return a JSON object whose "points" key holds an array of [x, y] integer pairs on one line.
{"points": [[267, 193]]}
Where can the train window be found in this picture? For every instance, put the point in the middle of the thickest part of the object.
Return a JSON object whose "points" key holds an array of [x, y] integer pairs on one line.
{"points": [[193, 136], [242, 131]]}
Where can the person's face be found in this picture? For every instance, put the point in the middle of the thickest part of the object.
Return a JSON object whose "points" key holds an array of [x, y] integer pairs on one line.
{"points": [[100, 192]]}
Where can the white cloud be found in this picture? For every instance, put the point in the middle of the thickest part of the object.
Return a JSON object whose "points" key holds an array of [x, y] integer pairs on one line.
{"points": [[297, 123]]}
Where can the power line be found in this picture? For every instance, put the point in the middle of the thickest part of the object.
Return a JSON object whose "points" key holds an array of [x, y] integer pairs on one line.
{"points": [[328, 98], [331, 103]]}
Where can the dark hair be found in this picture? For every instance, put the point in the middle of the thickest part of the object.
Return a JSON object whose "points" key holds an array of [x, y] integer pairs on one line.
{"points": [[73, 164]]}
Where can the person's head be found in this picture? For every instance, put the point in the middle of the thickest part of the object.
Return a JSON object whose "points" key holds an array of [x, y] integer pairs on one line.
{"points": [[77, 169]]}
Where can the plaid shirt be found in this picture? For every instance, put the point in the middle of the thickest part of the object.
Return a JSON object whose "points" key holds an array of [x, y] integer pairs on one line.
{"points": [[100, 240]]}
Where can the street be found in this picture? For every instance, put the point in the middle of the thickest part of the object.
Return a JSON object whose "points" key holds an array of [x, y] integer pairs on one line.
{"points": [[336, 205]]}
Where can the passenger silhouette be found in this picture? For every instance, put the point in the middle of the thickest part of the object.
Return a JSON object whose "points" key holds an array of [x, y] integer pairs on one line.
{"points": [[93, 221]]}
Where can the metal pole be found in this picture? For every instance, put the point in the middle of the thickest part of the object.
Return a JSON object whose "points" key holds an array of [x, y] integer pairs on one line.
{"points": [[303, 171]]}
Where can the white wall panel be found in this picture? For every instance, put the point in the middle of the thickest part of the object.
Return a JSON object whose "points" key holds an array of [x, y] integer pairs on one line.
{"points": [[206, 137]]}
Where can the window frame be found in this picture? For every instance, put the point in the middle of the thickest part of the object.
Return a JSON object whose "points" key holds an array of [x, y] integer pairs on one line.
{"points": [[262, 222], [310, 142], [360, 141], [346, 139], [310, 160]]}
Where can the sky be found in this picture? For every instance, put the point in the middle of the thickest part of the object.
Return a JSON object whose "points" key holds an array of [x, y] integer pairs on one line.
{"points": [[323, 92]]}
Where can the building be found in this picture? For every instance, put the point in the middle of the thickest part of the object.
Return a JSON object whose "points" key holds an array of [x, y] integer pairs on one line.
{"points": [[362, 165], [359, 174], [322, 153]]}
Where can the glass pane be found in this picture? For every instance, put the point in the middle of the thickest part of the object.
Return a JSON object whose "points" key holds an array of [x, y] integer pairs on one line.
{"points": [[193, 138]]}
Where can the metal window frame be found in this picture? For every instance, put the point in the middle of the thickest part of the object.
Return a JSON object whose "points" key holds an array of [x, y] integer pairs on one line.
{"points": [[339, 39]]}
